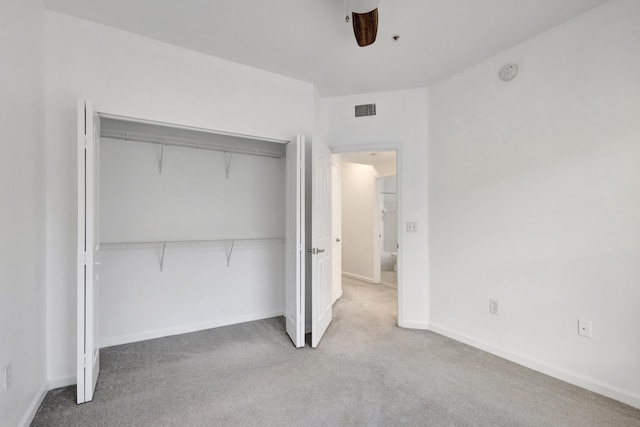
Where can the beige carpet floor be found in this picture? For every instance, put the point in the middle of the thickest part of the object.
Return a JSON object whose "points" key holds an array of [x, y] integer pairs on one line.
{"points": [[366, 372]]}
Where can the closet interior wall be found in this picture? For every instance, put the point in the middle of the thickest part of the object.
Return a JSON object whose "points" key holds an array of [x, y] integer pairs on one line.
{"points": [[191, 238]]}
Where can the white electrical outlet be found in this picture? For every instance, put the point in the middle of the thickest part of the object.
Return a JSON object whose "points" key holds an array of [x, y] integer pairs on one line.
{"points": [[7, 376], [584, 328], [412, 227], [494, 306]]}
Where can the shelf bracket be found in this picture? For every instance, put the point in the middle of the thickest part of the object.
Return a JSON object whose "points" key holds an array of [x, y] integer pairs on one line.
{"points": [[164, 247], [227, 164], [161, 156], [230, 252]]}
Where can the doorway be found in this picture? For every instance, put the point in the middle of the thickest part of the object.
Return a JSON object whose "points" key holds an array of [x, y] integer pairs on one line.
{"points": [[366, 208]]}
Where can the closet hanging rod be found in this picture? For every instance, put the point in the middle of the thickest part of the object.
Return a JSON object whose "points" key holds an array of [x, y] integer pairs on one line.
{"points": [[187, 143], [164, 243]]}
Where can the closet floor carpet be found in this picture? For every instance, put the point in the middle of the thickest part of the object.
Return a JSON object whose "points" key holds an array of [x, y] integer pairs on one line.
{"points": [[366, 371]]}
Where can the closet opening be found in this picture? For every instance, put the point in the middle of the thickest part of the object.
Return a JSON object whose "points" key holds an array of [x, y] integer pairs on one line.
{"points": [[182, 229]]}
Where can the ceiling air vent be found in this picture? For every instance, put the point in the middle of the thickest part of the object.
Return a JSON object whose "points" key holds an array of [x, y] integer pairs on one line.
{"points": [[365, 110]]}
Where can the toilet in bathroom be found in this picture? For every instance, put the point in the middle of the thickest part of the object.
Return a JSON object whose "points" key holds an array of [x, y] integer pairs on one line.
{"points": [[394, 260]]}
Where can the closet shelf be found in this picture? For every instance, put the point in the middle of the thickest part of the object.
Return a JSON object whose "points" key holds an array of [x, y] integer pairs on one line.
{"points": [[229, 244], [188, 143]]}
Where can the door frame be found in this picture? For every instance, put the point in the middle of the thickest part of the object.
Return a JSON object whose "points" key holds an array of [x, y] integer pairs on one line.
{"points": [[392, 146]]}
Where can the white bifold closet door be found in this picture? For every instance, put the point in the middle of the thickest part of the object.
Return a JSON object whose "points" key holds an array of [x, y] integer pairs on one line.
{"points": [[321, 263], [88, 354], [295, 242], [321, 240]]}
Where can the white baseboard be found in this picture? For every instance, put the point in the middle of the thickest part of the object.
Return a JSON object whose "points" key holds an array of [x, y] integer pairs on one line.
{"points": [[35, 405], [608, 390], [358, 277], [185, 329], [408, 324], [337, 297], [62, 382]]}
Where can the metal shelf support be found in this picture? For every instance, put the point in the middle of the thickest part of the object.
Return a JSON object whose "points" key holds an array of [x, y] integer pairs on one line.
{"points": [[164, 248], [230, 252], [161, 157], [227, 164]]}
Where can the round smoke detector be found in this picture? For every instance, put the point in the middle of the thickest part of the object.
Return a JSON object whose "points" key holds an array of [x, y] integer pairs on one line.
{"points": [[508, 72]]}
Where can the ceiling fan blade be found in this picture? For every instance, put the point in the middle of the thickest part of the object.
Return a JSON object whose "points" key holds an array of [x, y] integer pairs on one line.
{"points": [[365, 27]]}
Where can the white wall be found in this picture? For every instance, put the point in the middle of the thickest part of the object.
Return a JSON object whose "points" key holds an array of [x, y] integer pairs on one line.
{"points": [[190, 200], [358, 204], [133, 76], [535, 200], [401, 122], [22, 216]]}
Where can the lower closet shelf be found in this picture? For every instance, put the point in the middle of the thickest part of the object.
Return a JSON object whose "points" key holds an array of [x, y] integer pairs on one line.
{"points": [[229, 245]]}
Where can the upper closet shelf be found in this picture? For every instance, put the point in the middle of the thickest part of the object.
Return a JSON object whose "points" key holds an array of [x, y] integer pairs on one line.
{"points": [[115, 127]]}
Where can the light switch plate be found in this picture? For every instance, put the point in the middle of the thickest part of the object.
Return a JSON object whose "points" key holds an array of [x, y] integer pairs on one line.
{"points": [[412, 227], [494, 306]]}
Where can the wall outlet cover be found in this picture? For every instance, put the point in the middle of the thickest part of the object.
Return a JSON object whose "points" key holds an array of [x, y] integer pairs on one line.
{"points": [[7, 376], [584, 328]]}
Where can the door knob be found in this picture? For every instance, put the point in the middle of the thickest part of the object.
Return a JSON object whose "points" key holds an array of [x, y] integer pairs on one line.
{"points": [[319, 250], [337, 240]]}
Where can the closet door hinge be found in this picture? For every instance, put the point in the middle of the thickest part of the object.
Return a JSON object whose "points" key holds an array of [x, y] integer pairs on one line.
{"points": [[84, 361]]}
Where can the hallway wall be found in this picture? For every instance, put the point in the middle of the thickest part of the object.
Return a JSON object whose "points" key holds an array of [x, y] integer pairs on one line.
{"points": [[358, 204]]}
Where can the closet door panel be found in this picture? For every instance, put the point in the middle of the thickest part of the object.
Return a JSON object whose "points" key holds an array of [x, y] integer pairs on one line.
{"points": [[321, 264], [295, 242], [88, 354]]}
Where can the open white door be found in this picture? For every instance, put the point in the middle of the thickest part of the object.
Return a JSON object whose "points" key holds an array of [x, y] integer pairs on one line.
{"points": [[336, 225], [88, 354], [321, 240], [295, 242]]}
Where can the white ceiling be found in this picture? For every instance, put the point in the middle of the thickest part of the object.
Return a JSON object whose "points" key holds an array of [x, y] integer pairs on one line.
{"points": [[380, 160], [309, 39]]}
